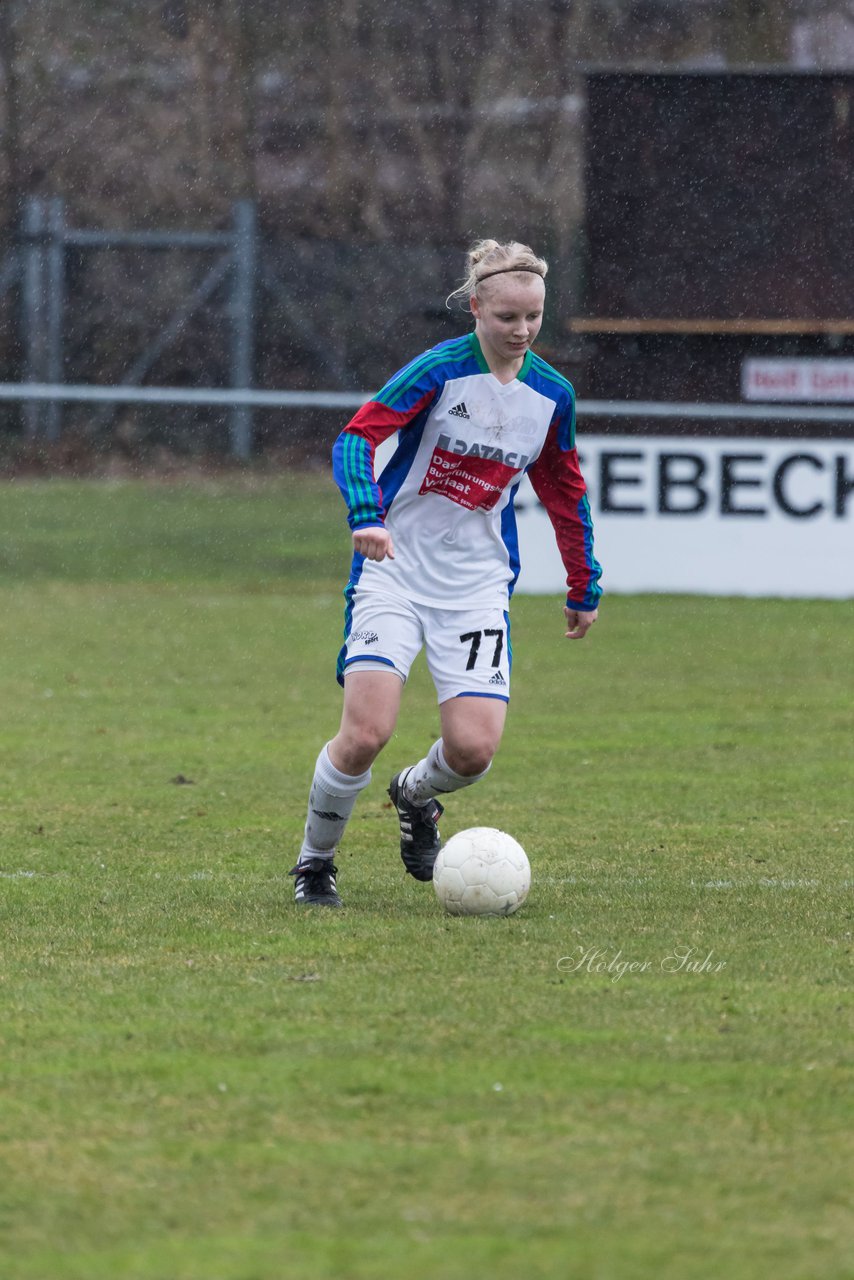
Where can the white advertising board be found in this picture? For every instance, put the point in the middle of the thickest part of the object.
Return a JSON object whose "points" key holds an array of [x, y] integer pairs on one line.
{"points": [[777, 378], [710, 516]]}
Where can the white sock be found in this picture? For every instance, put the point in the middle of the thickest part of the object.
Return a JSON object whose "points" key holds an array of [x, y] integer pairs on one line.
{"points": [[331, 801], [433, 776]]}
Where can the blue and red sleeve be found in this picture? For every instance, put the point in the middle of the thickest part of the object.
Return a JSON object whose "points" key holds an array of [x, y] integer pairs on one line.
{"points": [[559, 484], [408, 394]]}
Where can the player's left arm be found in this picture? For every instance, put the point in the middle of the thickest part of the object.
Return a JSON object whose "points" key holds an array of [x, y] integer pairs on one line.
{"points": [[558, 483], [579, 622]]}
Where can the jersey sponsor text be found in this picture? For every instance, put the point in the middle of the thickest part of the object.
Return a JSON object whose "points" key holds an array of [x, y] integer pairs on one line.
{"points": [[489, 451], [471, 480]]}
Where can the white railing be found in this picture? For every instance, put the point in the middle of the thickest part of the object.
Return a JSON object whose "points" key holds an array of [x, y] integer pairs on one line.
{"points": [[224, 396]]}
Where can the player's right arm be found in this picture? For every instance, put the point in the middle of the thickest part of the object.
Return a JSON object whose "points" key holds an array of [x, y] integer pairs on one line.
{"points": [[405, 400]]}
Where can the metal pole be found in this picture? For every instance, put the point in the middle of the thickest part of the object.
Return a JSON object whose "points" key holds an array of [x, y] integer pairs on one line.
{"points": [[242, 324], [33, 309], [81, 238], [55, 308]]}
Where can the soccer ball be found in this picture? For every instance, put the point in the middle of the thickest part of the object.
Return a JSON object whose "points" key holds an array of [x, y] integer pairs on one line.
{"points": [[481, 872]]}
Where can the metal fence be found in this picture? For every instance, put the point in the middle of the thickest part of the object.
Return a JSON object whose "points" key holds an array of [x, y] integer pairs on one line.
{"points": [[231, 306], [41, 268], [315, 301]]}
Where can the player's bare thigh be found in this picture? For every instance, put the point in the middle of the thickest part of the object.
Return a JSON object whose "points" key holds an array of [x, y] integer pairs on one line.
{"points": [[371, 706]]}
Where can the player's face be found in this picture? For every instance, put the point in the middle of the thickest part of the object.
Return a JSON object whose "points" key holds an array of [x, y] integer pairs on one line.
{"points": [[509, 312]]}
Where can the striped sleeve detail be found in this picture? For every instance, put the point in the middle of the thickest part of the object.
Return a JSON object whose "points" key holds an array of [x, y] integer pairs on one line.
{"points": [[353, 457], [559, 389], [353, 469], [559, 484], [410, 382], [403, 401], [545, 370]]}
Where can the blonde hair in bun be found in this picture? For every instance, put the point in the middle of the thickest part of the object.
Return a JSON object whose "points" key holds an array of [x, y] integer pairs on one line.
{"points": [[487, 258]]}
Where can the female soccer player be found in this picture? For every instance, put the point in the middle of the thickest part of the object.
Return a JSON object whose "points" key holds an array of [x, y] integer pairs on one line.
{"points": [[436, 555]]}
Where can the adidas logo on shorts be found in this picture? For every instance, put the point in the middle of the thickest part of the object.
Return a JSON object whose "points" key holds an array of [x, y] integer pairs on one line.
{"points": [[498, 679], [459, 411]]}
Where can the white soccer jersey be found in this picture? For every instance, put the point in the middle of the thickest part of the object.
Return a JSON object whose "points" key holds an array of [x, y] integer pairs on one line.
{"points": [[465, 441]]}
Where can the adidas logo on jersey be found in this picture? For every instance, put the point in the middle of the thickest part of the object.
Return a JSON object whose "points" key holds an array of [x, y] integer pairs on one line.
{"points": [[459, 410], [498, 679]]}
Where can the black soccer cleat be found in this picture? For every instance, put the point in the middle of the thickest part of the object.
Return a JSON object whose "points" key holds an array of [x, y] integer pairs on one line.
{"points": [[314, 883], [420, 841]]}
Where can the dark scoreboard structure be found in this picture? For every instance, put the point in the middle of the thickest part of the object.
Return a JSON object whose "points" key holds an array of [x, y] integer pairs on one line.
{"points": [[719, 226]]}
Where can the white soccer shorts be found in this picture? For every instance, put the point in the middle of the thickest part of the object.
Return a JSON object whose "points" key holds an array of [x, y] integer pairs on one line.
{"points": [[468, 650]]}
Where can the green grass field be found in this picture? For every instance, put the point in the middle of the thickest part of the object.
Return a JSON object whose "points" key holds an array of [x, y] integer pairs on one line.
{"points": [[200, 1083]]}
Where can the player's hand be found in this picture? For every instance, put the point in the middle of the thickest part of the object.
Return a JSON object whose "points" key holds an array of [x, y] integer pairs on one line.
{"points": [[374, 543], [579, 622]]}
